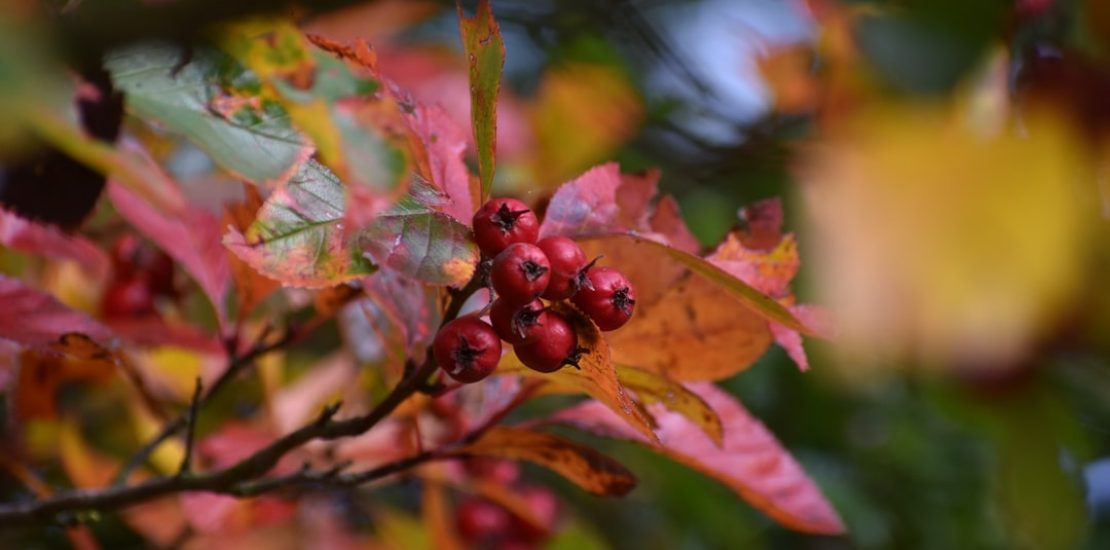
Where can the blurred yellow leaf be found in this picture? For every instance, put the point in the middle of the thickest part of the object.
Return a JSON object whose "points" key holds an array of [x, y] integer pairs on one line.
{"points": [[86, 468], [936, 242], [582, 113]]}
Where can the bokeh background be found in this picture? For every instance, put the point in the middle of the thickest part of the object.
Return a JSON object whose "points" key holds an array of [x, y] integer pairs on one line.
{"points": [[944, 163]]}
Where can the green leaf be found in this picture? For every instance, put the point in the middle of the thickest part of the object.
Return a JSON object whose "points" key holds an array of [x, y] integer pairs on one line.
{"points": [[253, 140], [424, 244], [485, 53], [299, 238]]}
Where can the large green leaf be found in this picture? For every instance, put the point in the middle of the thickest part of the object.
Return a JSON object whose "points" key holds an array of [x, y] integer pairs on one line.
{"points": [[299, 238], [254, 140]]}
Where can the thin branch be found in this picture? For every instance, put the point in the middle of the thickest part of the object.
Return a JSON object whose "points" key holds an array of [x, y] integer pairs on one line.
{"points": [[235, 366], [190, 430], [243, 477]]}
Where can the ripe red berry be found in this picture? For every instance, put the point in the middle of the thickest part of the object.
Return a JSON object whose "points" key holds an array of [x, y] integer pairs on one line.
{"points": [[128, 297], [478, 519], [557, 346], [520, 273], [159, 272], [467, 349], [610, 300], [518, 324], [502, 222], [567, 261], [545, 509]]}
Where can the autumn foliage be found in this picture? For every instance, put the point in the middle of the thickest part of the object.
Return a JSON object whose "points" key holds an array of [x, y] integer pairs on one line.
{"points": [[258, 332]]}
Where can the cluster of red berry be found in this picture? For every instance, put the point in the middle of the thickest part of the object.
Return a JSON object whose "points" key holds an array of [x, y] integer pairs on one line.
{"points": [[140, 274], [483, 523], [524, 271]]}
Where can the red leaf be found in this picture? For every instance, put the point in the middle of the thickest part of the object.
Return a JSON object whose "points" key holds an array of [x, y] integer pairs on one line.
{"points": [[667, 221], [32, 317], [155, 331], [445, 143], [22, 234], [788, 339], [751, 462], [586, 205], [763, 224], [192, 237], [602, 201]]}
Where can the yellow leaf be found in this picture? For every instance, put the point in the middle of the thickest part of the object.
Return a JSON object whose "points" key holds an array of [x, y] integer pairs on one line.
{"points": [[938, 243], [583, 112]]}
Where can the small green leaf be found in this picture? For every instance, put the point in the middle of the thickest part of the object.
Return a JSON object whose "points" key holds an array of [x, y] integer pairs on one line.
{"points": [[485, 52], [256, 142], [298, 238]]}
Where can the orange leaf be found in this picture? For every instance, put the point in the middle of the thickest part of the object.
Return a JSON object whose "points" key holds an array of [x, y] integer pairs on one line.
{"points": [[652, 387], [692, 330], [584, 466], [751, 462], [43, 369], [438, 518]]}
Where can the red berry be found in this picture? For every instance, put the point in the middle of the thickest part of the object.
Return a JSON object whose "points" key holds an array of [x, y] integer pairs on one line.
{"points": [[127, 297], [159, 271], [608, 298], [545, 509], [520, 273], [502, 222], [467, 349], [504, 472], [480, 519], [557, 346], [567, 261], [518, 324]]}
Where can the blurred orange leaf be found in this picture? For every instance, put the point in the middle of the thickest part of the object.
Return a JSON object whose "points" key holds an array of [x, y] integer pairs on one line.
{"points": [[44, 369], [583, 112]]}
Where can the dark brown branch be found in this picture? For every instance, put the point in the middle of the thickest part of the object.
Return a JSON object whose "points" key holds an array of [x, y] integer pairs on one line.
{"points": [[246, 476], [235, 366], [190, 430]]}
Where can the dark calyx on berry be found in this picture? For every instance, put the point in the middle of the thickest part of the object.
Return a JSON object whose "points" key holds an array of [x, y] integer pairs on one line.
{"points": [[555, 347], [502, 222], [611, 300], [467, 349], [568, 263], [520, 273], [518, 324]]}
